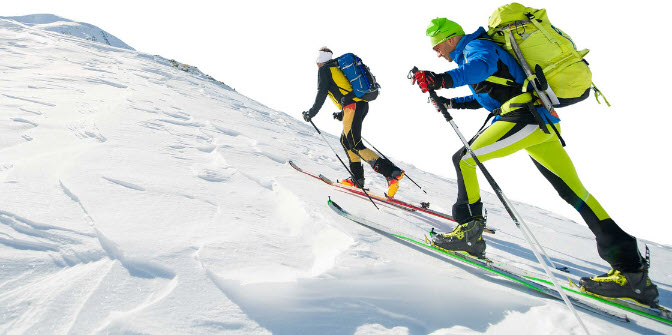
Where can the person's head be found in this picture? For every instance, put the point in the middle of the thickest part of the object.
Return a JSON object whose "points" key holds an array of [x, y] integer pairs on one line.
{"points": [[444, 36], [323, 56]]}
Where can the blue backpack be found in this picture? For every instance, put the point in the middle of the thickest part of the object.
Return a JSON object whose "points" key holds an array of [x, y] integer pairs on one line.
{"points": [[363, 83]]}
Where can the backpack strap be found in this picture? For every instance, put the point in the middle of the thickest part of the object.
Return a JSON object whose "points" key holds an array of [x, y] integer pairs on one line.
{"points": [[516, 103], [502, 81], [599, 94]]}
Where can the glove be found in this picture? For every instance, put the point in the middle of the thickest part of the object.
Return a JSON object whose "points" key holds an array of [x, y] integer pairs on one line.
{"points": [[447, 103], [338, 116], [306, 116], [347, 99], [428, 80]]}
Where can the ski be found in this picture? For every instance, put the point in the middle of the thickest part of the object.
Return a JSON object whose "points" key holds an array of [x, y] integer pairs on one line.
{"points": [[383, 198], [613, 308], [355, 190], [658, 313], [301, 170], [425, 209], [352, 191]]}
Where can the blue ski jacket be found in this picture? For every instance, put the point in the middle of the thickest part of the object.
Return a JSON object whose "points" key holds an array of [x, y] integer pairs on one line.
{"points": [[478, 58]]}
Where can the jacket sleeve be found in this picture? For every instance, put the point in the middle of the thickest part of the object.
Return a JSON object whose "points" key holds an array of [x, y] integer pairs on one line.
{"points": [[468, 102], [323, 77], [480, 63]]}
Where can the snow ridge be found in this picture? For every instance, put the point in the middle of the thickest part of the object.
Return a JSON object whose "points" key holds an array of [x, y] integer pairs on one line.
{"points": [[50, 22]]}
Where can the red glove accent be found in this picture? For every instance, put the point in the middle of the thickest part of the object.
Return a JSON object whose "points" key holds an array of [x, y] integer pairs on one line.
{"points": [[425, 80]]}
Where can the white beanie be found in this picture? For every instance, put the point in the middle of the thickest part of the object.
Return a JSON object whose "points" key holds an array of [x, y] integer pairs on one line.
{"points": [[323, 57]]}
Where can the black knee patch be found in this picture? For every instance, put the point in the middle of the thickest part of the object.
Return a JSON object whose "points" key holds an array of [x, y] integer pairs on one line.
{"points": [[457, 157]]}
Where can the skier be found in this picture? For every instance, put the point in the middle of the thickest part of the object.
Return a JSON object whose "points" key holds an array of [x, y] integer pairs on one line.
{"points": [[331, 81], [514, 128]]}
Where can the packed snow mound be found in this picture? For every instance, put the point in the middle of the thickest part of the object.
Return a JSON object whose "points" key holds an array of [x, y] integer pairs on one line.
{"points": [[64, 26]]}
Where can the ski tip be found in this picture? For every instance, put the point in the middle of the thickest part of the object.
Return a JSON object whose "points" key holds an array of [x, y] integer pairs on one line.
{"points": [[326, 180], [294, 165], [335, 205]]}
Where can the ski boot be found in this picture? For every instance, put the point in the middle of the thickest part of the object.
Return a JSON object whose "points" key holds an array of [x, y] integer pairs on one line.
{"points": [[393, 182], [616, 284], [358, 173], [466, 237], [350, 182], [391, 172]]}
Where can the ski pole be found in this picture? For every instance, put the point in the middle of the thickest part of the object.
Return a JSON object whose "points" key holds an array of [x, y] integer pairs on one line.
{"points": [[405, 174], [517, 219], [346, 168]]}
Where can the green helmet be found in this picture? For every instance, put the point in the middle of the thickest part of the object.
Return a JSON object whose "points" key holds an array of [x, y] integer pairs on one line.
{"points": [[441, 29]]}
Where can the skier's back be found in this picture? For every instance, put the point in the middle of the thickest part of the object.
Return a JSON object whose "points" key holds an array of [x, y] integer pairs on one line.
{"points": [[332, 83]]}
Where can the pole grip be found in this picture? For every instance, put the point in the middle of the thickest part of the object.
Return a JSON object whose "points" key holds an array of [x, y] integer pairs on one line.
{"points": [[434, 97], [442, 108]]}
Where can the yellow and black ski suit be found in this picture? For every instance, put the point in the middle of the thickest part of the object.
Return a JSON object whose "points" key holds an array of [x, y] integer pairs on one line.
{"points": [[333, 83], [515, 129]]}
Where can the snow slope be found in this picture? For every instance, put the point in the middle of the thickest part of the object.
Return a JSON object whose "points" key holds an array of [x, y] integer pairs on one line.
{"points": [[50, 22], [137, 197]]}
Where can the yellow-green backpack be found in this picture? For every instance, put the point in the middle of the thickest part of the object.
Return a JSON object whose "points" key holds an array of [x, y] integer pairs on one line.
{"points": [[543, 44]]}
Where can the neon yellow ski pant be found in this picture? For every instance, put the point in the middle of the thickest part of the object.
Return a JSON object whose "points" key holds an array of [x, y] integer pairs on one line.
{"points": [[504, 138]]}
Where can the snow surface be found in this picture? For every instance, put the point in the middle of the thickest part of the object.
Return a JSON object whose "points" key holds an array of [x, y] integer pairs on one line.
{"points": [[50, 22], [140, 197]]}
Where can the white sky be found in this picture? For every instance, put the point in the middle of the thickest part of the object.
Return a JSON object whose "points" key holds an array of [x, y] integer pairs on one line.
{"points": [[267, 50]]}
